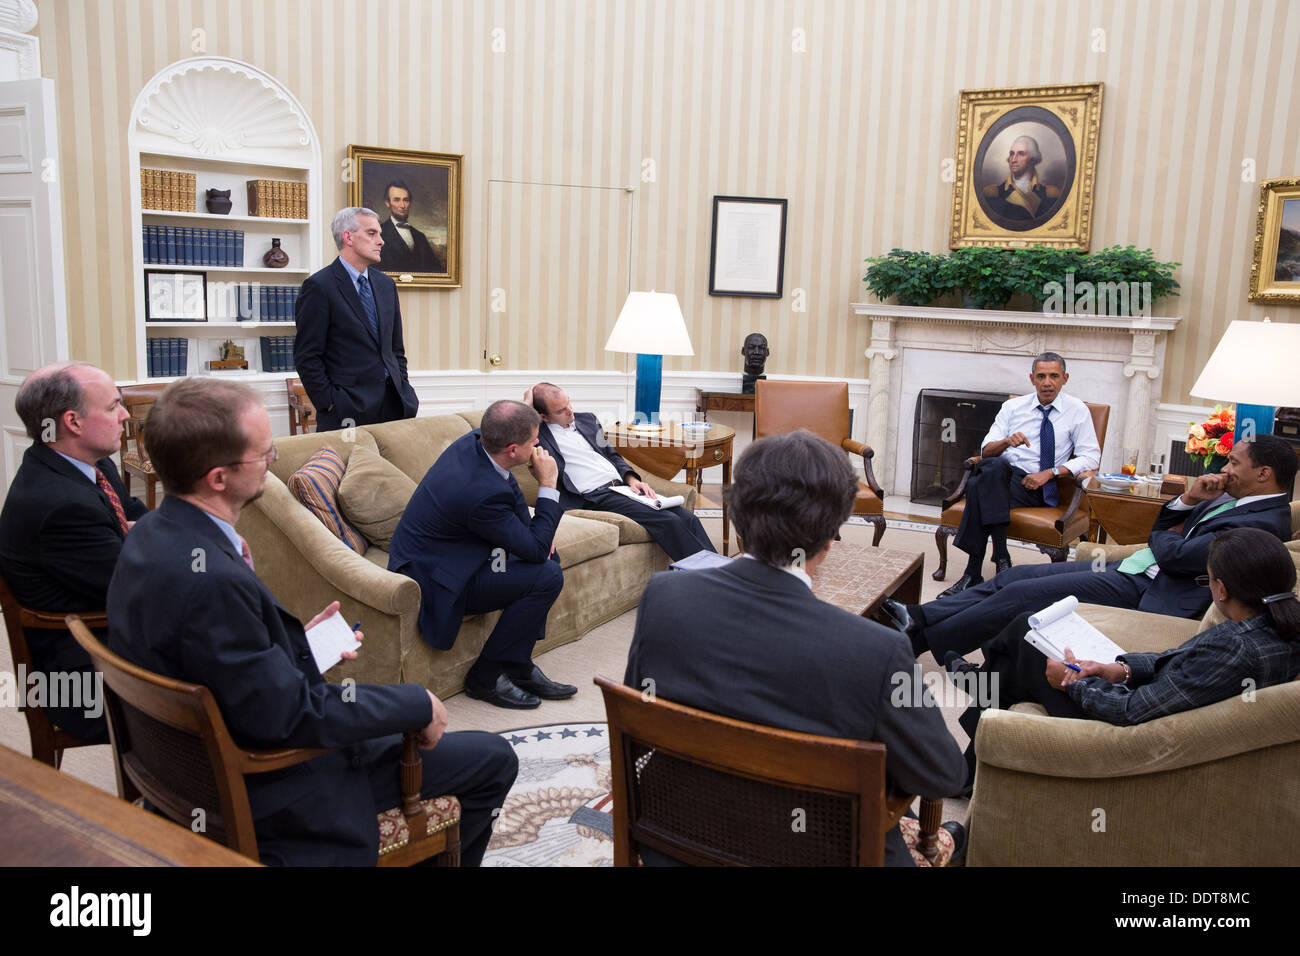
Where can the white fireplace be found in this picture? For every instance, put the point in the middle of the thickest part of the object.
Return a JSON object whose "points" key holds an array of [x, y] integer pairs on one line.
{"points": [[1115, 360]]}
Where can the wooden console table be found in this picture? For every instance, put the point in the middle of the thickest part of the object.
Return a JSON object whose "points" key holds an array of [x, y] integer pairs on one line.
{"points": [[706, 402], [664, 453], [1127, 516]]}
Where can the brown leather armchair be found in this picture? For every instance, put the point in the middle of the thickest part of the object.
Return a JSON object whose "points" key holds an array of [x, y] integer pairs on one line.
{"points": [[823, 409], [1054, 530]]}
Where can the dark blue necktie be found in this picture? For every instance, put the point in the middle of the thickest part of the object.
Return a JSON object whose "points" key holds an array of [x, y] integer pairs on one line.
{"points": [[1047, 455], [368, 305]]}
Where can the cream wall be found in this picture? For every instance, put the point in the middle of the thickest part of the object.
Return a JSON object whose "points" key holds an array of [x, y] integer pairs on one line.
{"points": [[853, 129]]}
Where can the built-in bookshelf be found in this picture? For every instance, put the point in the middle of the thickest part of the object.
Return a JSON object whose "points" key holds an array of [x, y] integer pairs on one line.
{"points": [[199, 275]]}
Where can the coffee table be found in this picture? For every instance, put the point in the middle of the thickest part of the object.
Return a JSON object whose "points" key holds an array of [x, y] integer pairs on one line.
{"points": [[858, 579]]}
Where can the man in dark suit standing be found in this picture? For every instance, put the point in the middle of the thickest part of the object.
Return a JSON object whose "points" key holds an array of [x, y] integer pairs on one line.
{"points": [[467, 539], [761, 647], [66, 514], [406, 249], [348, 350], [1253, 491], [219, 626], [590, 468]]}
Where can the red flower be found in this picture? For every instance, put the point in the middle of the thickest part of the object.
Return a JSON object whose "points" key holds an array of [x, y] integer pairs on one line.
{"points": [[1225, 444]]}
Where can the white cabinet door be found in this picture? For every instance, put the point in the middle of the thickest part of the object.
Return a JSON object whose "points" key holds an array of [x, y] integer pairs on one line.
{"points": [[33, 310]]}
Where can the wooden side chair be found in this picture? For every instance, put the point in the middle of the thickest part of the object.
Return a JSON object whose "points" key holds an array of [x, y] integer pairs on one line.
{"points": [[138, 399], [171, 746], [711, 791], [1054, 530], [822, 408], [302, 413], [48, 740]]}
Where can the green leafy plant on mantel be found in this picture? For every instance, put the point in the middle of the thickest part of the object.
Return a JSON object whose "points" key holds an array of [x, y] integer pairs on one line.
{"points": [[989, 278]]}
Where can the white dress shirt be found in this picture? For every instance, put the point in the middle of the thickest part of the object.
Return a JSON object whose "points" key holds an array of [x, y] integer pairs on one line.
{"points": [[1071, 422], [586, 468]]}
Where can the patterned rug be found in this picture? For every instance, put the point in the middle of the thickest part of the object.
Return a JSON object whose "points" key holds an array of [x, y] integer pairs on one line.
{"points": [[557, 813]]}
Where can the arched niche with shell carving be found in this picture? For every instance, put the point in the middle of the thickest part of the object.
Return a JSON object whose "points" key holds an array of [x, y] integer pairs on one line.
{"points": [[214, 123]]}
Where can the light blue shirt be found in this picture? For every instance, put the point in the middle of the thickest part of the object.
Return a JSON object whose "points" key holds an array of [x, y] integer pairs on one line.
{"points": [[355, 274], [229, 531], [81, 466]]}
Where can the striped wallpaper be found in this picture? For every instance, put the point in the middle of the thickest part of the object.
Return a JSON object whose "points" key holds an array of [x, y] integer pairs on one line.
{"points": [[845, 107]]}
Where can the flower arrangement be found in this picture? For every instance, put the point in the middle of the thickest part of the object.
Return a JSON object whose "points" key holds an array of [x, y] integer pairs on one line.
{"points": [[1212, 436]]}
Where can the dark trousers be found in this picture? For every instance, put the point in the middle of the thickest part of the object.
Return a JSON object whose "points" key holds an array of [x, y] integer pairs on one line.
{"points": [[991, 492], [677, 530], [523, 592], [966, 620], [1021, 678]]}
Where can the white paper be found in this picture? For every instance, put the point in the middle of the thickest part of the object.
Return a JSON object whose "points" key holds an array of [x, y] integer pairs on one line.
{"points": [[1057, 627], [658, 504], [329, 639], [700, 561]]}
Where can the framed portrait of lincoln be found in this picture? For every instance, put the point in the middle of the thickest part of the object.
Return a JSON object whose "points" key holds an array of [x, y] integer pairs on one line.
{"points": [[417, 196], [1026, 166]]}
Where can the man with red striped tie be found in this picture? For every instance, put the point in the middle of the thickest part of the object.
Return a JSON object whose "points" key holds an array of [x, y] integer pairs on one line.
{"points": [[66, 515]]}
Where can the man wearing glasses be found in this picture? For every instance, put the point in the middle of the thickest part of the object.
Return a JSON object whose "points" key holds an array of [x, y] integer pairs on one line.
{"points": [[185, 602]]}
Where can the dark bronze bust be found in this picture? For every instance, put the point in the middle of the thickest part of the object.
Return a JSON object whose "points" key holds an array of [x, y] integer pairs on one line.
{"points": [[755, 352]]}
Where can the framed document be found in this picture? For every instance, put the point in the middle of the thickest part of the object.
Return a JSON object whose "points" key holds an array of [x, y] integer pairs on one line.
{"points": [[747, 255], [175, 297]]}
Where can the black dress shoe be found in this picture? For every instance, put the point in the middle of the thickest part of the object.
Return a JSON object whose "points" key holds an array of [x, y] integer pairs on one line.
{"points": [[963, 582], [503, 693], [896, 613], [541, 685], [959, 840], [1001, 564], [954, 663]]}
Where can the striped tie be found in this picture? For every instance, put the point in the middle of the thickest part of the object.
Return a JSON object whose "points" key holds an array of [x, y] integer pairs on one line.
{"points": [[113, 499]]}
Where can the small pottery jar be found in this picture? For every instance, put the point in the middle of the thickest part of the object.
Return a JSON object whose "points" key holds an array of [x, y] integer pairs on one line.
{"points": [[219, 201], [275, 258]]}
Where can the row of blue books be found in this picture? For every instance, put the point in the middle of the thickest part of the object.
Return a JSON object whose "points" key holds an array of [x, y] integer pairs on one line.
{"points": [[168, 356], [249, 301], [191, 246], [277, 353]]}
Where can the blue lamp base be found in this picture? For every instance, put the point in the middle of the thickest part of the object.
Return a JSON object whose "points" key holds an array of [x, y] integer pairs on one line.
{"points": [[1253, 420], [649, 378]]}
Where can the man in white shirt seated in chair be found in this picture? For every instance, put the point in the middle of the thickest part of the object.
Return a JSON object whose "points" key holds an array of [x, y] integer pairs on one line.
{"points": [[1033, 439], [590, 468]]}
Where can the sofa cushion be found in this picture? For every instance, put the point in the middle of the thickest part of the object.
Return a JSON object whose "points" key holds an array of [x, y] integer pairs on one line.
{"points": [[581, 539], [414, 444], [373, 495], [629, 532], [316, 485]]}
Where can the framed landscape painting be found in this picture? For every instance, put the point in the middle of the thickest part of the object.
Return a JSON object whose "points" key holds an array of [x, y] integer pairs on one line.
{"points": [[1275, 274]]}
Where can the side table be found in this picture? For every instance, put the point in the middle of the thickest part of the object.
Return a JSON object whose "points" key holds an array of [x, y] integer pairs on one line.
{"points": [[666, 452]]}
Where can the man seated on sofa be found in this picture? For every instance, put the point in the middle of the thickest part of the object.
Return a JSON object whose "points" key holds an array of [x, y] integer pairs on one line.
{"points": [[467, 539], [1253, 491], [762, 648], [66, 515], [590, 467], [185, 603]]}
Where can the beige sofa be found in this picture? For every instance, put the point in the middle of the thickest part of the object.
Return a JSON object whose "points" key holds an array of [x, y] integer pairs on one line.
{"points": [[607, 560], [1215, 786]]}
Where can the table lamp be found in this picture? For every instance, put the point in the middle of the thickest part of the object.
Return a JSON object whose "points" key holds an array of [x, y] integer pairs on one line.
{"points": [[1254, 365], [651, 326]]}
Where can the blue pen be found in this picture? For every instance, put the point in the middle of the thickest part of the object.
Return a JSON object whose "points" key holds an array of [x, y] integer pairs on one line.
{"points": [[1073, 667], [357, 627]]}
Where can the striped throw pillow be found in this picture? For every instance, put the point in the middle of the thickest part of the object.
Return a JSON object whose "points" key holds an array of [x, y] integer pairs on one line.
{"points": [[316, 485]]}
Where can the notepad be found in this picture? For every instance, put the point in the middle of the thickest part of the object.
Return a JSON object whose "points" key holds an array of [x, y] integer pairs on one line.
{"points": [[657, 503], [1057, 627], [329, 639]]}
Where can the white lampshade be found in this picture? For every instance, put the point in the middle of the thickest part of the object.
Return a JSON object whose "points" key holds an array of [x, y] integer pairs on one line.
{"points": [[651, 323], [1255, 364]]}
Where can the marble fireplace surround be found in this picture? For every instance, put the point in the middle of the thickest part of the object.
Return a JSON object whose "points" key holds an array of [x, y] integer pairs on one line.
{"points": [[1111, 359]]}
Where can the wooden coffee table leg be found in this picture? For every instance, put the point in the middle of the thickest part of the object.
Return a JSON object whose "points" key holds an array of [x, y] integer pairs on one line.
{"points": [[726, 525], [909, 589]]}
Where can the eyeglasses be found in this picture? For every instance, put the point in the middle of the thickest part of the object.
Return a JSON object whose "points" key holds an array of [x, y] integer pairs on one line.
{"points": [[1203, 580], [270, 456]]}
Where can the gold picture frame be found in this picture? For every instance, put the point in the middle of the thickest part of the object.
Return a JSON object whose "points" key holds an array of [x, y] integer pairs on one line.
{"points": [[1275, 273], [427, 188], [1042, 136]]}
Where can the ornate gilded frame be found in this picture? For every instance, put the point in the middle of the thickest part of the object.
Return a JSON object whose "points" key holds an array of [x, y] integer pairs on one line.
{"points": [[1067, 119], [1265, 285], [428, 176]]}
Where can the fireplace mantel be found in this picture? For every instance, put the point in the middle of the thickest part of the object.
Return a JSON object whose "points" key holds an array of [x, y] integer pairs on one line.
{"points": [[1108, 348]]}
